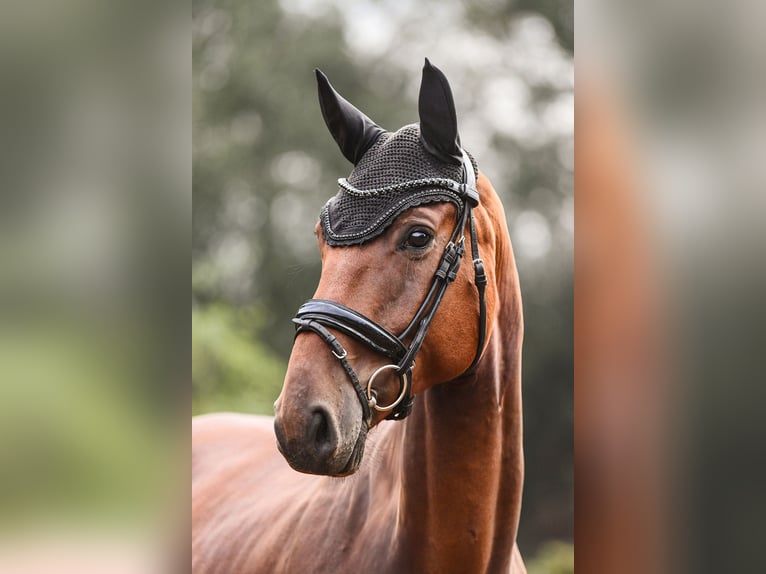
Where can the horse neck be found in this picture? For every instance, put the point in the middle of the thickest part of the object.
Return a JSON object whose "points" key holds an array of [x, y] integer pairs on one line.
{"points": [[462, 466]]}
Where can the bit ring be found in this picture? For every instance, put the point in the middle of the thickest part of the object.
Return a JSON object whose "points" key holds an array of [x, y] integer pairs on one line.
{"points": [[372, 397]]}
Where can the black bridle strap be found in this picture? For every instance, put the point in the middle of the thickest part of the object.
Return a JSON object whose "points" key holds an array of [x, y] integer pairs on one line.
{"points": [[340, 354], [445, 274], [480, 280], [337, 316], [445, 268]]}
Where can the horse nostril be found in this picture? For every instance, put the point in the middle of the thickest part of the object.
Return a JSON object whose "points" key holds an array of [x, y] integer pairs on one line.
{"points": [[322, 433]]}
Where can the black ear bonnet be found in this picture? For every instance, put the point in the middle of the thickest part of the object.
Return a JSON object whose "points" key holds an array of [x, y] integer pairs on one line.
{"points": [[393, 172]]}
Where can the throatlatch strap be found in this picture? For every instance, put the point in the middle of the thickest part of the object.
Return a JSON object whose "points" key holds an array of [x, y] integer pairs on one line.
{"points": [[480, 280]]}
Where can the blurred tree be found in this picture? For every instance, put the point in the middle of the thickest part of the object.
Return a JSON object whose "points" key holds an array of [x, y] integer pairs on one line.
{"points": [[494, 16], [263, 160], [233, 370]]}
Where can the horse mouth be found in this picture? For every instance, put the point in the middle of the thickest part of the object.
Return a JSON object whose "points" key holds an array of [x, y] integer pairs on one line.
{"points": [[355, 459]]}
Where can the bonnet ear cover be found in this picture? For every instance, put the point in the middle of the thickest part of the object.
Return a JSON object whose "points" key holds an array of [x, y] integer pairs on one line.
{"points": [[393, 171], [438, 119], [353, 131]]}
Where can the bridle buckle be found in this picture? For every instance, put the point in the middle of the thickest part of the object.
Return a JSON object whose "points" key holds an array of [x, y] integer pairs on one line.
{"points": [[341, 356]]}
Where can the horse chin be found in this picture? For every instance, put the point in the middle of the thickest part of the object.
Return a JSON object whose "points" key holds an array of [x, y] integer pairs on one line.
{"points": [[355, 459]]}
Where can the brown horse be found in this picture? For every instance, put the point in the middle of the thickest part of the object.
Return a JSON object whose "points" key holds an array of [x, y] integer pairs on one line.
{"points": [[439, 492]]}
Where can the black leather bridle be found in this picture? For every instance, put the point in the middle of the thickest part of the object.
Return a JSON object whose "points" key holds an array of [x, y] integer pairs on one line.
{"points": [[320, 315]]}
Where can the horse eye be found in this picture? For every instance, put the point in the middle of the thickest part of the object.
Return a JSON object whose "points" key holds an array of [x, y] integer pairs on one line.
{"points": [[418, 239]]}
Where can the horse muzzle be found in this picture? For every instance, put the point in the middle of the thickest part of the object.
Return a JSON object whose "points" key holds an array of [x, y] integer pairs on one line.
{"points": [[313, 442]]}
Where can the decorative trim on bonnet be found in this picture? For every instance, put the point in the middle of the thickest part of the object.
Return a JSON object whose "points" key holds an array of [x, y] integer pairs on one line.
{"points": [[421, 192], [381, 224]]}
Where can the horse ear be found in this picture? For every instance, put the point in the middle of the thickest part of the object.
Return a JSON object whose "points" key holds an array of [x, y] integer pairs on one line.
{"points": [[353, 131], [438, 120]]}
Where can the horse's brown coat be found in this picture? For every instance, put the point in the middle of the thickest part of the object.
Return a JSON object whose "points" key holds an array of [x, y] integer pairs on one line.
{"points": [[437, 493]]}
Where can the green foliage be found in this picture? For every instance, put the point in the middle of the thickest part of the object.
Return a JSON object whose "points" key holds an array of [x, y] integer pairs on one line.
{"points": [[552, 558], [231, 368], [76, 440]]}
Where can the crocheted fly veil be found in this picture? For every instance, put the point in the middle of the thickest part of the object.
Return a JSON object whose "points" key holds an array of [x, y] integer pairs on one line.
{"points": [[393, 172]]}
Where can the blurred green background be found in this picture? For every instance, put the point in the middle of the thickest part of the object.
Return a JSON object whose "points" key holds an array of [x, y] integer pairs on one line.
{"points": [[95, 212], [264, 164]]}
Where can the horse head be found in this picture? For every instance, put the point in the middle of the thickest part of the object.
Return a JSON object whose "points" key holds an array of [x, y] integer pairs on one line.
{"points": [[395, 313]]}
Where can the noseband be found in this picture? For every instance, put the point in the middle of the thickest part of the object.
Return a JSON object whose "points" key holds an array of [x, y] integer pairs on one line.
{"points": [[320, 315]]}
